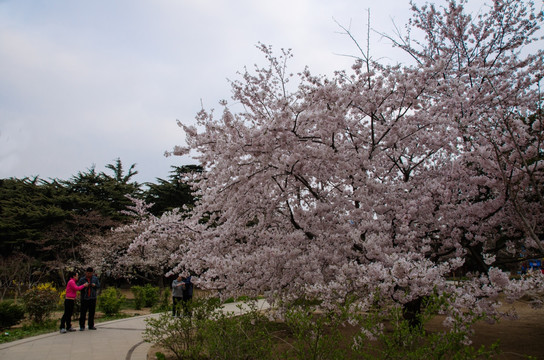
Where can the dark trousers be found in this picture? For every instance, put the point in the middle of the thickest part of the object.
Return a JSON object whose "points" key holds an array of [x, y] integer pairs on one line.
{"points": [[186, 305], [175, 305], [90, 306], [66, 320]]}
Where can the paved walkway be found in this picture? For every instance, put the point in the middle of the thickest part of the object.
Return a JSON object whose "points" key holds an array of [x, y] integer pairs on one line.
{"points": [[118, 339], [114, 340]]}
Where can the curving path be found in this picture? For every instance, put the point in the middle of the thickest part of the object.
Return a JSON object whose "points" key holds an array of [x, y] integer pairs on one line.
{"points": [[114, 340]]}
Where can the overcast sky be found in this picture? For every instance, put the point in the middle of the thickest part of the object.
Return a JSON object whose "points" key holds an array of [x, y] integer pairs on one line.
{"points": [[85, 82]]}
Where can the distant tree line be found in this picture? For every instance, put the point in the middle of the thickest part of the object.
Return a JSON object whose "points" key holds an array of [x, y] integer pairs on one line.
{"points": [[43, 223]]}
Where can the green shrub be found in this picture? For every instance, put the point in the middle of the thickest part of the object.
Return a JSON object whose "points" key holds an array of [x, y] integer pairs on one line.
{"points": [[209, 333], [245, 336], [165, 302], [315, 335], [110, 301], [175, 334], [10, 314], [40, 301], [401, 340], [181, 335], [137, 291], [145, 296]]}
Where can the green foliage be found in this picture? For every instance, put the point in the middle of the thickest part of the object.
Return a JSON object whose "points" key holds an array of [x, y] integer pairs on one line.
{"points": [[103, 192], [42, 219], [10, 314], [27, 330], [245, 336], [145, 296], [40, 301], [399, 340], [119, 315], [172, 193], [110, 301], [212, 334], [165, 301], [45, 220], [27, 208], [160, 355], [138, 296], [315, 335], [181, 335]]}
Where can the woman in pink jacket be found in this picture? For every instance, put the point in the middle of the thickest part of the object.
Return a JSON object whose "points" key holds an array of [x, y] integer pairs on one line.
{"points": [[69, 302]]}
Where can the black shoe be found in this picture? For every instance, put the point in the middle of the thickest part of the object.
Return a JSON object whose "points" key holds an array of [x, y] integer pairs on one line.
{"points": [[81, 329], [92, 328], [71, 329]]}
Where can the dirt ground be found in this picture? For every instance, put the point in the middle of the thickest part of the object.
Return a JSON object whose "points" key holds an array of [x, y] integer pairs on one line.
{"points": [[518, 338]]}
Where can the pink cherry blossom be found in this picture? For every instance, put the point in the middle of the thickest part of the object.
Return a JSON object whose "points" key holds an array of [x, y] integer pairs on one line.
{"points": [[381, 179]]}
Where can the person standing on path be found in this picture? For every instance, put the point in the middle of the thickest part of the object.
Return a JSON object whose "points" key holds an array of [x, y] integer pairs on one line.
{"points": [[177, 294], [88, 298], [69, 302], [187, 295]]}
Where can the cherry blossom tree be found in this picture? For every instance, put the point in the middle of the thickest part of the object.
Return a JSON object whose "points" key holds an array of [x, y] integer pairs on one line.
{"points": [[141, 249], [108, 253], [152, 250], [382, 179]]}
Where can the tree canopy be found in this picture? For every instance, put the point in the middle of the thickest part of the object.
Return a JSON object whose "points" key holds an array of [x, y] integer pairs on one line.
{"points": [[48, 222], [382, 179]]}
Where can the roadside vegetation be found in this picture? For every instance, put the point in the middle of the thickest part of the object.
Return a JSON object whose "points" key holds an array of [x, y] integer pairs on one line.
{"points": [[19, 321]]}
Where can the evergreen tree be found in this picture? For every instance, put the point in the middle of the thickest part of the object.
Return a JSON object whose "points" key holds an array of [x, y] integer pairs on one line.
{"points": [[104, 193], [173, 193], [49, 220], [27, 207]]}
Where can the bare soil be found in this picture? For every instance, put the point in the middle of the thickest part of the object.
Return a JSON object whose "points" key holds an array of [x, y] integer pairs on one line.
{"points": [[518, 338]]}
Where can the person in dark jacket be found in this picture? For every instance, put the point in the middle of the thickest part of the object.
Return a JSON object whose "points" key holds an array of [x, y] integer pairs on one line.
{"points": [[187, 295], [88, 298]]}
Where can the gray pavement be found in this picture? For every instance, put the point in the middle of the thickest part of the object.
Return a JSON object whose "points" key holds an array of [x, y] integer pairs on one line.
{"points": [[113, 340], [117, 339]]}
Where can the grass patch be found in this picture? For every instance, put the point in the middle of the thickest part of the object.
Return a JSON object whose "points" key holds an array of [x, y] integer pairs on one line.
{"points": [[28, 330], [50, 325]]}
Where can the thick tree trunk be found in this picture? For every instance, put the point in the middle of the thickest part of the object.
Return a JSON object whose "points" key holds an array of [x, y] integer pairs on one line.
{"points": [[411, 311]]}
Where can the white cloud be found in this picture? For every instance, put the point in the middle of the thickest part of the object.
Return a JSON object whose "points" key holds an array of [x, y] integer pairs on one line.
{"points": [[83, 83]]}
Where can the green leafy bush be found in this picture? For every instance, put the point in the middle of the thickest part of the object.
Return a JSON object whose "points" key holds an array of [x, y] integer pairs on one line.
{"points": [[245, 336], [402, 340], [145, 296], [138, 296], [181, 335], [40, 301], [10, 314], [211, 334], [110, 301], [165, 302], [316, 335]]}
